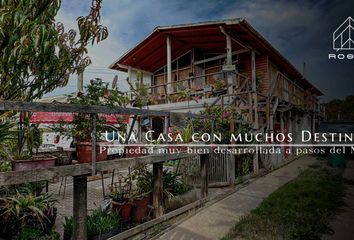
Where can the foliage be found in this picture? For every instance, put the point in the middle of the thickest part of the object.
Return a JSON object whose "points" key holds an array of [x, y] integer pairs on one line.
{"points": [[34, 188], [96, 93], [36, 234], [5, 166], [68, 225], [37, 54], [140, 92], [183, 94], [301, 209], [120, 192], [186, 132], [172, 184], [244, 164], [222, 118], [340, 109], [28, 135], [26, 210], [143, 179], [219, 84], [99, 222], [7, 140]]}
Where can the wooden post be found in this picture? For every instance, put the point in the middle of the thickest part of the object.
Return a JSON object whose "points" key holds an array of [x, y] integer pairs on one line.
{"points": [[290, 128], [157, 171], [80, 207], [93, 137], [255, 163], [204, 162], [157, 196], [169, 66], [282, 131], [232, 159], [254, 90], [313, 123]]}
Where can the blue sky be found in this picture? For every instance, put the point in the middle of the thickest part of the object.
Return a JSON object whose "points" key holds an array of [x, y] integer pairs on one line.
{"points": [[301, 30]]}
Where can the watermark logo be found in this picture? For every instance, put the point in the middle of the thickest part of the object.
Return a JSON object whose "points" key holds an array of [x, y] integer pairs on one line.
{"points": [[343, 36], [343, 39]]}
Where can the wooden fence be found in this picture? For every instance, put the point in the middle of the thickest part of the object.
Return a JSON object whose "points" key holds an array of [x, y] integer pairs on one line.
{"points": [[80, 172]]}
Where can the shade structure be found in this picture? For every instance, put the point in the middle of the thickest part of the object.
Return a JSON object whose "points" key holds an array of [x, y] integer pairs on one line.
{"points": [[55, 117]]}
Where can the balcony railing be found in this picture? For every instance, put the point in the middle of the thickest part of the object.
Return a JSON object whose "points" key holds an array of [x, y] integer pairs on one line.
{"points": [[195, 87]]}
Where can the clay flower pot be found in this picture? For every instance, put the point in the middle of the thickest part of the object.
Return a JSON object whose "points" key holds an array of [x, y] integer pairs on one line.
{"points": [[36, 162], [84, 152], [124, 210], [140, 209]]}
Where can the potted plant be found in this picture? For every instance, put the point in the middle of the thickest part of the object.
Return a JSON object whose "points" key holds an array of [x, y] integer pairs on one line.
{"points": [[25, 153], [141, 195], [26, 211], [121, 203], [101, 224], [80, 128], [219, 87], [183, 95]]}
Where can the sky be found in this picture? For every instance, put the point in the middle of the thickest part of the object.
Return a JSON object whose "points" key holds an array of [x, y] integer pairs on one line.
{"points": [[300, 29]]}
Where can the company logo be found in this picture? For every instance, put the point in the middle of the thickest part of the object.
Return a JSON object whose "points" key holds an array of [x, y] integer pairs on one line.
{"points": [[343, 36], [343, 39]]}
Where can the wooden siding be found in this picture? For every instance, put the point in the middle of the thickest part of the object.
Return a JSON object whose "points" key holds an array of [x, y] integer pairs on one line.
{"points": [[262, 69]]}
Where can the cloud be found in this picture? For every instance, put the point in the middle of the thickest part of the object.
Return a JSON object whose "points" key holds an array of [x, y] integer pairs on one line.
{"points": [[301, 30]]}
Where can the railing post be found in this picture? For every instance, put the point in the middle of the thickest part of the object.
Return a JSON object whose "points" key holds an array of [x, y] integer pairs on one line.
{"points": [[231, 157], [80, 207], [254, 90], [204, 164], [169, 65], [93, 144], [157, 196]]}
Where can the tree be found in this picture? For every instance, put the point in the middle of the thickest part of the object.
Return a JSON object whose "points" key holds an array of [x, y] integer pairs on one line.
{"points": [[340, 110], [37, 54]]}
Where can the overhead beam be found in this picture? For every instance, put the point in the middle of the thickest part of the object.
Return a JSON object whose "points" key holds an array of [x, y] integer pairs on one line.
{"points": [[220, 56], [78, 108], [133, 68]]}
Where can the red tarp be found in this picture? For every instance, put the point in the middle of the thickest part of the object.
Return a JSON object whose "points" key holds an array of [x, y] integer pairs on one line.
{"points": [[54, 117]]}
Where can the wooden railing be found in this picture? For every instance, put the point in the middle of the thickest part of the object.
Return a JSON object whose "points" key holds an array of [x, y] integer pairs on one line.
{"points": [[188, 89], [81, 171], [288, 91]]}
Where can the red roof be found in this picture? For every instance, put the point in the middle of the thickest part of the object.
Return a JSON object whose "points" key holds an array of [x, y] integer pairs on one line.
{"points": [[150, 54]]}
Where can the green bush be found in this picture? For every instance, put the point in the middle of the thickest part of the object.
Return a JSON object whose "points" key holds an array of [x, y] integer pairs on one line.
{"points": [[99, 222]]}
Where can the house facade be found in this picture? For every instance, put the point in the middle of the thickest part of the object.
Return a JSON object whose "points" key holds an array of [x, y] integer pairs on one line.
{"points": [[225, 63]]}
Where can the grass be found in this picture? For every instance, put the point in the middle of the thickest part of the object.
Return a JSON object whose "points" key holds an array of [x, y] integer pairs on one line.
{"points": [[301, 209]]}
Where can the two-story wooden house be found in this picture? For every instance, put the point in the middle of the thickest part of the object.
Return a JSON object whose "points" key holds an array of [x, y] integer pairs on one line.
{"points": [[226, 63]]}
